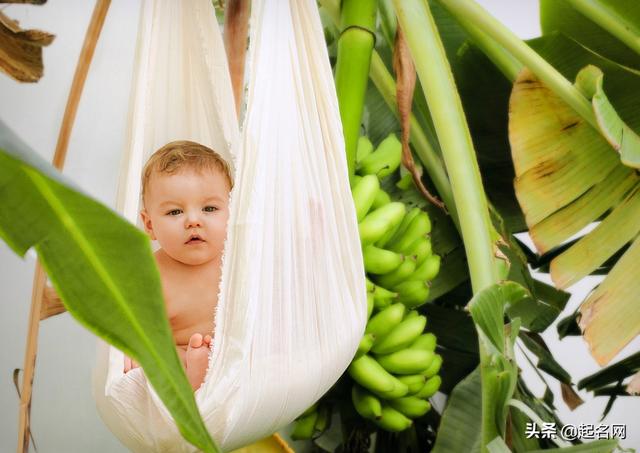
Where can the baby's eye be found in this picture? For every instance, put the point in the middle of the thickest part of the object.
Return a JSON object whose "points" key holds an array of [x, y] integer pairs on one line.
{"points": [[210, 209], [174, 212]]}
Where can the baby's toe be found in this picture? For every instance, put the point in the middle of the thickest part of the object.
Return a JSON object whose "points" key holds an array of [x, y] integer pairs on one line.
{"points": [[195, 341]]}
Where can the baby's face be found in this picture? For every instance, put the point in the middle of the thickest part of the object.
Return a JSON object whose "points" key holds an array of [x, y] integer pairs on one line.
{"points": [[187, 213]]}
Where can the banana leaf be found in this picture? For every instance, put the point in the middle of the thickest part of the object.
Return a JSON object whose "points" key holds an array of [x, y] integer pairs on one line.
{"points": [[101, 266], [558, 15], [566, 178], [460, 428], [612, 374]]}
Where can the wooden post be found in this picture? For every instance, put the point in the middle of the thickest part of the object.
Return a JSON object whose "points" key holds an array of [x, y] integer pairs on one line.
{"points": [[40, 277], [236, 30]]}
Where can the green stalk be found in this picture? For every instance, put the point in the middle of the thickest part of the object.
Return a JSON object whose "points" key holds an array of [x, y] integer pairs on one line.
{"points": [[610, 20], [454, 137], [358, 19], [460, 160], [386, 86], [504, 61], [470, 12]]}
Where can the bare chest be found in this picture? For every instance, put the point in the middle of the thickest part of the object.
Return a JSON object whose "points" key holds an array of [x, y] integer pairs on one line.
{"points": [[190, 307]]}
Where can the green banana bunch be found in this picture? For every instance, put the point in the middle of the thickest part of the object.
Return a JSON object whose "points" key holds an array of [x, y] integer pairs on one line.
{"points": [[395, 369]]}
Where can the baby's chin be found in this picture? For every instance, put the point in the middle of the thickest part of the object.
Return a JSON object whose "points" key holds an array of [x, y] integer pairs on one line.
{"points": [[193, 259]]}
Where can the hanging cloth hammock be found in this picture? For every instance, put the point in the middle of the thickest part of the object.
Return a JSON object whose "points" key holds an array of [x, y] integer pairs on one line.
{"points": [[292, 303]]}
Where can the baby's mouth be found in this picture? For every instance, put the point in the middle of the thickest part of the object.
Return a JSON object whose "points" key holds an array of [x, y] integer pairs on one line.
{"points": [[195, 239]]}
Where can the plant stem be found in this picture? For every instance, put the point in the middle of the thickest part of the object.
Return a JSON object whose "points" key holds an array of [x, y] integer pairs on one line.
{"points": [[352, 69], [469, 11], [454, 137], [461, 164], [504, 61], [610, 20], [386, 86]]}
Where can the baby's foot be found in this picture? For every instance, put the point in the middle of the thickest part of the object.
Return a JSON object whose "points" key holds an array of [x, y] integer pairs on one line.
{"points": [[197, 359], [129, 364]]}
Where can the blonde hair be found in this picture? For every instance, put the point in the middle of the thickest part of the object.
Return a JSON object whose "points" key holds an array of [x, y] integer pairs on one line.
{"points": [[181, 154]]}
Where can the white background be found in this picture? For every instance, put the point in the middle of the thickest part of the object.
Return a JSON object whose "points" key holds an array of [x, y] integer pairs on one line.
{"points": [[63, 413]]}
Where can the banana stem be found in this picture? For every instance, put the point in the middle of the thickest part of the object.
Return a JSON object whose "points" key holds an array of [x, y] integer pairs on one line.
{"points": [[504, 61], [469, 11], [454, 137], [352, 69], [461, 164], [603, 15]]}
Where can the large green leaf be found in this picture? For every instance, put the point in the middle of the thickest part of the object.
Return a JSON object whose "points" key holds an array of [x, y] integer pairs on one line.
{"points": [[558, 15], [101, 266]]}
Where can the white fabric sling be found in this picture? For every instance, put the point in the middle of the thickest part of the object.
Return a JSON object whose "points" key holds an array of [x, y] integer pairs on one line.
{"points": [[292, 301]]}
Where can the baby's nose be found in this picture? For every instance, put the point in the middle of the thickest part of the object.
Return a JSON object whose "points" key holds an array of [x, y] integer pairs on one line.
{"points": [[193, 220]]}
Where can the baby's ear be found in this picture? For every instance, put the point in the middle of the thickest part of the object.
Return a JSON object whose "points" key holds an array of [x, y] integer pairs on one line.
{"points": [[148, 226]]}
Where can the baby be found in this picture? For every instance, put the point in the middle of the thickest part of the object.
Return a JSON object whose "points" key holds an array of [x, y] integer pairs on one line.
{"points": [[185, 196]]}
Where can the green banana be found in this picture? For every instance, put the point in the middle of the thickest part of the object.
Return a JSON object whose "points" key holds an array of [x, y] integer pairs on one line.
{"points": [[419, 227], [378, 222], [415, 382], [400, 336], [384, 321], [304, 426], [406, 361], [428, 270], [380, 303], [430, 387], [411, 406], [412, 293], [400, 274], [324, 416], [365, 344], [392, 420], [380, 261], [391, 231], [433, 369], [399, 390], [366, 371], [426, 342], [421, 249], [411, 314], [405, 182], [364, 193], [365, 147], [402, 227], [370, 304], [384, 160], [381, 199], [369, 285], [365, 403], [382, 293]]}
